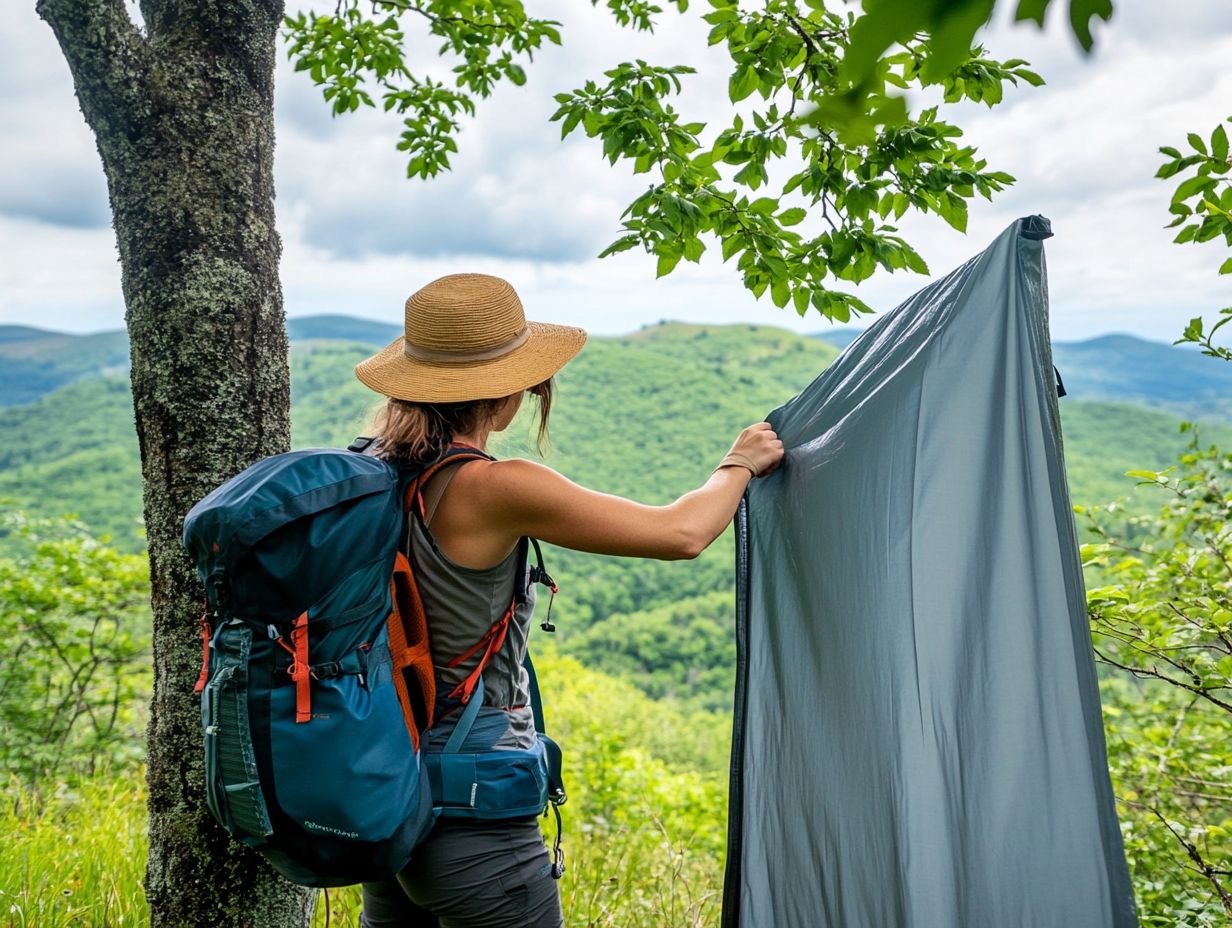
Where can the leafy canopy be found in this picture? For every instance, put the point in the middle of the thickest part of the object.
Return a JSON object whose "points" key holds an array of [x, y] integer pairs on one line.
{"points": [[801, 187]]}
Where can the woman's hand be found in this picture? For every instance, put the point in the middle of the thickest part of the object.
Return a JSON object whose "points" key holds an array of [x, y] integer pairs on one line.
{"points": [[757, 448]]}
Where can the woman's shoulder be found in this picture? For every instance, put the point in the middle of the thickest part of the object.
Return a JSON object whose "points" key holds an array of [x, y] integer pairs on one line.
{"points": [[508, 474], [510, 489]]}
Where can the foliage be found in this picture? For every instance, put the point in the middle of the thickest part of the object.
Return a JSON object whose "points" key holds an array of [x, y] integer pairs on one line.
{"points": [[684, 650], [1165, 618], [1202, 205], [74, 621], [849, 180], [855, 166], [353, 48], [950, 27]]}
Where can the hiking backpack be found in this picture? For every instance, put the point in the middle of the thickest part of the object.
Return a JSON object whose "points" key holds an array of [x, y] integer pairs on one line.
{"points": [[317, 684]]}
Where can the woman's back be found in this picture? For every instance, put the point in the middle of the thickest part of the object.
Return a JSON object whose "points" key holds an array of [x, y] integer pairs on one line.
{"points": [[462, 603]]}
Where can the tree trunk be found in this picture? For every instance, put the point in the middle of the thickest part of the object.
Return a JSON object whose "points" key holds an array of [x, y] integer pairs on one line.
{"points": [[183, 118]]}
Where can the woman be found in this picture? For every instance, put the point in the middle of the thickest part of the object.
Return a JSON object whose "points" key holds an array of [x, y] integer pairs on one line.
{"points": [[459, 373]]}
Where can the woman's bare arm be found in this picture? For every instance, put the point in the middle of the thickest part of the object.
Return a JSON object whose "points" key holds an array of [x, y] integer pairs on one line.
{"points": [[508, 499]]}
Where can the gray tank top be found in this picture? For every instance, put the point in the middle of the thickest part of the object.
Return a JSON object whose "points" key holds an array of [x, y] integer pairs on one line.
{"points": [[461, 604]]}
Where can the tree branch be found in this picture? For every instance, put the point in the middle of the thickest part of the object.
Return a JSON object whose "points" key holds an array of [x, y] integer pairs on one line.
{"points": [[1143, 673], [107, 55]]}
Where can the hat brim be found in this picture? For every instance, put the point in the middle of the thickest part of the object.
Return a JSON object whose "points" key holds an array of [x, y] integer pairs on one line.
{"points": [[393, 372]]}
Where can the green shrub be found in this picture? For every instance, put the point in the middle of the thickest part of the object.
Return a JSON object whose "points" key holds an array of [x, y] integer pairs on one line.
{"points": [[75, 622]]}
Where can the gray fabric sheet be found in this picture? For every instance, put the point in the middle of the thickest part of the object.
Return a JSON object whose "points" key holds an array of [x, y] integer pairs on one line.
{"points": [[918, 738]]}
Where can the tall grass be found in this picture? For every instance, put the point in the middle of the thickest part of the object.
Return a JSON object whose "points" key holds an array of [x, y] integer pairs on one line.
{"points": [[74, 857]]}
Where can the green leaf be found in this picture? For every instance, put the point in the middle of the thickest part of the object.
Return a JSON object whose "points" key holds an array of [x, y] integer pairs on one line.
{"points": [[1219, 144], [791, 217], [1081, 12], [801, 300], [1191, 187], [667, 263], [1032, 10], [621, 244], [780, 292], [743, 83], [952, 35], [1196, 142], [693, 249], [914, 261], [1226, 267]]}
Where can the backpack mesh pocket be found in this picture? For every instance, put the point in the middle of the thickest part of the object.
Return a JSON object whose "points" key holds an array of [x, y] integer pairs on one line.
{"points": [[233, 789]]}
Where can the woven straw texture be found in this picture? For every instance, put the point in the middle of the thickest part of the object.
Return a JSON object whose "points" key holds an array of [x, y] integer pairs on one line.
{"points": [[465, 338]]}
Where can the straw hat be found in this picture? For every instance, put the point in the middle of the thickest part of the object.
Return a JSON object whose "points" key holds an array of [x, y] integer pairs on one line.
{"points": [[467, 338]]}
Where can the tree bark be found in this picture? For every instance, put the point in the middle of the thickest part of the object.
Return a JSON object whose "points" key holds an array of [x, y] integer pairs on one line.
{"points": [[183, 117]]}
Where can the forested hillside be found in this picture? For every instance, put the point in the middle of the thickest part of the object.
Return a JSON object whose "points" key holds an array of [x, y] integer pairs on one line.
{"points": [[646, 415]]}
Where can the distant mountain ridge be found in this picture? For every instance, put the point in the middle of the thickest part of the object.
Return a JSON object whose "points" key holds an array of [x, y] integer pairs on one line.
{"points": [[33, 362], [1111, 368], [341, 328], [1123, 368]]}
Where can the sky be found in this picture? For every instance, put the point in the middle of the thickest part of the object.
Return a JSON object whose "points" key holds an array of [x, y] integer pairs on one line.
{"points": [[359, 237]]}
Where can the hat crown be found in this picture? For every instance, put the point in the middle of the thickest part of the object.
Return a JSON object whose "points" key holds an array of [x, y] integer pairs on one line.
{"points": [[464, 314]]}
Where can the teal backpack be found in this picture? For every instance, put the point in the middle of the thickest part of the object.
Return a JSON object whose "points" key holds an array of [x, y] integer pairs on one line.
{"points": [[317, 684]]}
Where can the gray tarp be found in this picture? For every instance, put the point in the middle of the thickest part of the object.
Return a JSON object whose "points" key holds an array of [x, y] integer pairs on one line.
{"points": [[918, 741]]}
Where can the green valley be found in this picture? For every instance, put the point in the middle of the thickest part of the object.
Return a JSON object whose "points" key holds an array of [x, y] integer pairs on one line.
{"points": [[645, 415]]}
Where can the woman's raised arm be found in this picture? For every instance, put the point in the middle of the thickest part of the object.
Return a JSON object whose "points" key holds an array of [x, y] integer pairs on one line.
{"points": [[518, 497]]}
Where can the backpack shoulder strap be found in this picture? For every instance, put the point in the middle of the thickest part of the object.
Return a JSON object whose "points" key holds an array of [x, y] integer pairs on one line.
{"points": [[437, 495], [412, 500]]}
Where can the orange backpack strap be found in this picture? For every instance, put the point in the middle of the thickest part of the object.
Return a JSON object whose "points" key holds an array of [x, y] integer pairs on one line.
{"points": [[413, 502], [414, 675], [491, 642], [300, 670], [204, 677], [409, 640]]}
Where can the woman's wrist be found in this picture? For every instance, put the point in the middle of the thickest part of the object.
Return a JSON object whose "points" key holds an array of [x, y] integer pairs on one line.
{"points": [[737, 459]]}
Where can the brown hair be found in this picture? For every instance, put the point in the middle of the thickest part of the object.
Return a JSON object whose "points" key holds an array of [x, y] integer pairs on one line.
{"points": [[418, 432]]}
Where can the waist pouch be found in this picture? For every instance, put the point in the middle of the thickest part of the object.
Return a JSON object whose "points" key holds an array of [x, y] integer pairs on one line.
{"points": [[489, 784], [494, 783]]}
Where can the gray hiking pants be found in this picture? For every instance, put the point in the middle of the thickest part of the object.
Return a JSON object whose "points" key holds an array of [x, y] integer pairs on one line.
{"points": [[471, 874]]}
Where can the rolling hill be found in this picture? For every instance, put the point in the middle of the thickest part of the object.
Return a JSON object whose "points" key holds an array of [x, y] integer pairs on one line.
{"points": [[645, 415], [33, 362], [1111, 368]]}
